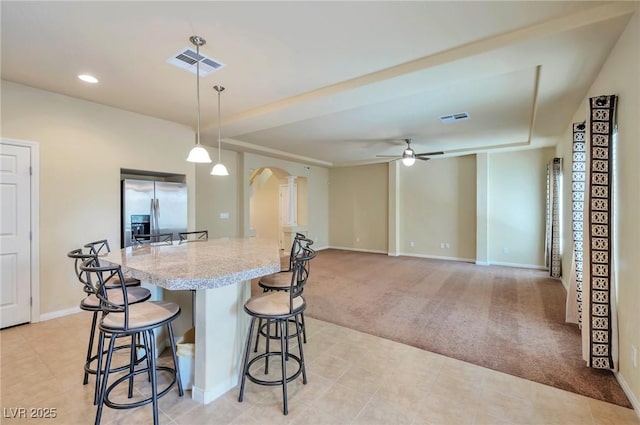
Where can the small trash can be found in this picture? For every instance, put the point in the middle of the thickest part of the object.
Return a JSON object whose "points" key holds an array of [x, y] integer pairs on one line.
{"points": [[186, 348]]}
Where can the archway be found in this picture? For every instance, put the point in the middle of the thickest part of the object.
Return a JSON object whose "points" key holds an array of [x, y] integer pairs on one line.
{"points": [[278, 205]]}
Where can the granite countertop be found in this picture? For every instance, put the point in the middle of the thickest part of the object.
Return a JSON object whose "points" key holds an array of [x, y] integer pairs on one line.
{"points": [[200, 264]]}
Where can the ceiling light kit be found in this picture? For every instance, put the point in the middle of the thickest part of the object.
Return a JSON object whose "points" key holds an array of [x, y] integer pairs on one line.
{"points": [[198, 154], [87, 78], [409, 156], [219, 169]]}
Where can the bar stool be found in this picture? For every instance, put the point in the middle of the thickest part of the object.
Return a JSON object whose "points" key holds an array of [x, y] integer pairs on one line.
{"points": [[96, 248], [157, 238], [198, 235], [131, 320], [91, 303], [279, 307], [281, 282]]}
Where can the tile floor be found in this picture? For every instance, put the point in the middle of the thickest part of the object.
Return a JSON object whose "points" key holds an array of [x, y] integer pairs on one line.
{"points": [[354, 378]]}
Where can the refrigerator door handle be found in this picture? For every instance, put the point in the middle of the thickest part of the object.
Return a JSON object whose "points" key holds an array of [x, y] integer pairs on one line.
{"points": [[157, 214], [153, 216]]}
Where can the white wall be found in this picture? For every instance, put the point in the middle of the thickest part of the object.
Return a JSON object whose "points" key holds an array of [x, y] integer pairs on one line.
{"points": [[517, 206], [438, 205], [83, 146], [216, 195], [358, 203]]}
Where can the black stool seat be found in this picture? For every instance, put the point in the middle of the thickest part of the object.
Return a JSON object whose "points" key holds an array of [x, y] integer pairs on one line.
{"points": [[135, 294], [276, 282], [141, 316], [114, 282], [274, 304]]}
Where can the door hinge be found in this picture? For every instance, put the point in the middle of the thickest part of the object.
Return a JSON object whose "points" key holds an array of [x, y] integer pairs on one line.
{"points": [[30, 171], [31, 301], [30, 236]]}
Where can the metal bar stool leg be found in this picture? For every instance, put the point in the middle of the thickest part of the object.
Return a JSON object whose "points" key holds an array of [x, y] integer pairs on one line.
{"points": [[266, 360], [175, 358], [132, 364], [302, 367], [96, 392], [245, 361], [154, 376], [304, 328], [103, 385], [255, 348], [284, 366], [94, 320]]}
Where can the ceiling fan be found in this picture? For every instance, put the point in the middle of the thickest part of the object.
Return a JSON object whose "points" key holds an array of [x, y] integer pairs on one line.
{"points": [[409, 156]]}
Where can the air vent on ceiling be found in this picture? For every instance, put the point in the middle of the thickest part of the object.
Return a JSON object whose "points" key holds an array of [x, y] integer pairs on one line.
{"points": [[187, 59], [462, 116]]}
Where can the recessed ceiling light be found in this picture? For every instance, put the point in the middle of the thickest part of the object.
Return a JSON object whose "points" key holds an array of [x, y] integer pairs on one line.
{"points": [[88, 78]]}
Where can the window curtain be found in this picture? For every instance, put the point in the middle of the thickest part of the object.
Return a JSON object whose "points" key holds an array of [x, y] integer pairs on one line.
{"points": [[592, 292], [553, 260], [578, 184], [600, 336]]}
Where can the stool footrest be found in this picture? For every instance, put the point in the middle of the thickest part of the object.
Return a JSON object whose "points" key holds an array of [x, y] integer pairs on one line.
{"points": [[274, 382], [142, 402], [263, 330], [92, 371]]}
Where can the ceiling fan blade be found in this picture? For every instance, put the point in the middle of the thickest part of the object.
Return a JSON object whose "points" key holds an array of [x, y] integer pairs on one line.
{"points": [[430, 154], [388, 156], [422, 159]]}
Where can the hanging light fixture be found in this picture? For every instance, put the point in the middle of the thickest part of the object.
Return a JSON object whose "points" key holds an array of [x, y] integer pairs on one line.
{"points": [[198, 153], [219, 169]]}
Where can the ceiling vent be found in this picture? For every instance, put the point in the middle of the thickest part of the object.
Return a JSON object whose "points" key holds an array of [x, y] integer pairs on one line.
{"points": [[462, 116], [187, 59]]}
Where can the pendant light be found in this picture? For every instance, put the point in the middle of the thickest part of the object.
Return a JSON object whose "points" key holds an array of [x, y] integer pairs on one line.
{"points": [[219, 169], [198, 153]]}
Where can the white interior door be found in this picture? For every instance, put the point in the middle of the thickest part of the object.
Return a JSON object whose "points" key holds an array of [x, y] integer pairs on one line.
{"points": [[15, 236]]}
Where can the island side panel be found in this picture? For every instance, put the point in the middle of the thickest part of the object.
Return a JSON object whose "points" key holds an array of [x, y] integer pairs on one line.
{"points": [[221, 329]]}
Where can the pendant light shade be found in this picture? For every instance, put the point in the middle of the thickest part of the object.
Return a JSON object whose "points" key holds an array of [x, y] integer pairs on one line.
{"points": [[198, 153], [408, 161], [219, 169]]}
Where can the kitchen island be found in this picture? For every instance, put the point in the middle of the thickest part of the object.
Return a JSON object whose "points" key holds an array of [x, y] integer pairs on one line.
{"points": [[220, 271]]}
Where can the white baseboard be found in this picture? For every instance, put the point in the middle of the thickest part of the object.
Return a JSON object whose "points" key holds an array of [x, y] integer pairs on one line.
{"points": [[320, 248], [437, 257], [345, 248], [522, 266], [59, 313], [630, 395]]}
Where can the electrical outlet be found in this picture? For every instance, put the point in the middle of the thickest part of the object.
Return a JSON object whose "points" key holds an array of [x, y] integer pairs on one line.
{"points": [[446, 245], [358, 239], [412, 244], [505, 250], [634, 356], [442, 245]]}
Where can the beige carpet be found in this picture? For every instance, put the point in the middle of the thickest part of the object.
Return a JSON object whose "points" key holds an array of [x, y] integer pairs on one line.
{"points": [[502, 318]]}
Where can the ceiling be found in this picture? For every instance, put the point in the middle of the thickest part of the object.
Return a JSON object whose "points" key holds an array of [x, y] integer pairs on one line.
{"points": [[327, 83]]}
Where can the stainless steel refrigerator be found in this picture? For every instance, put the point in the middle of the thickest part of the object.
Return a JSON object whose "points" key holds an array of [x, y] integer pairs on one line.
{"points": [[150, 207]]}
